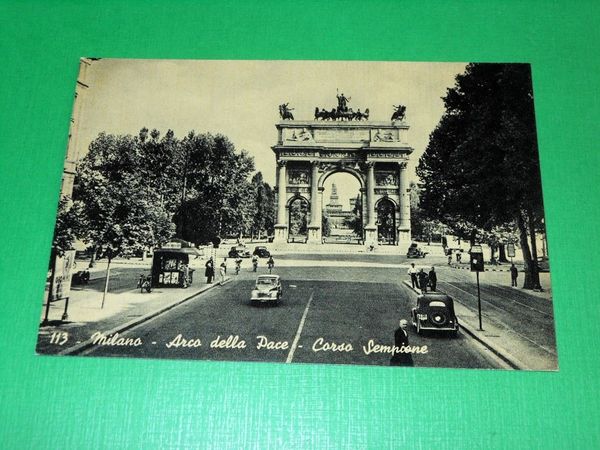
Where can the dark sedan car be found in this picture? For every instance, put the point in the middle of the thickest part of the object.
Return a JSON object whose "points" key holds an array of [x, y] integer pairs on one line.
{"points": [[261, 252], [414, 251], [435, 311], [239, 251]]}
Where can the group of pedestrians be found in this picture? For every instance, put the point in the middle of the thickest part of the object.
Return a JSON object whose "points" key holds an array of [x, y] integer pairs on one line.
{"points": [[422, 280], [209, 271]]}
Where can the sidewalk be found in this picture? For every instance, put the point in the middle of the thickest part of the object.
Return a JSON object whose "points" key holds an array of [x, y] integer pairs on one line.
{"points": [[121, 311], [512, 348]]}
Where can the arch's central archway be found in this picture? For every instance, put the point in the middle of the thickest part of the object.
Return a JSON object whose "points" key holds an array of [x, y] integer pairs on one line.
{"points": [[376, 153], [341, 206]]}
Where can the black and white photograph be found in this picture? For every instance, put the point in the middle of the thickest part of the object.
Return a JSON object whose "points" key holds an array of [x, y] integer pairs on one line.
{"points": [[323, 212]]}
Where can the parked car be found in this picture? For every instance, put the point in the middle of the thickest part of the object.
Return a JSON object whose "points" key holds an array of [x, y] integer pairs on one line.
{"points": [[435, 311], [414, 251], [267, 289], [239, 251], [261, 252]]}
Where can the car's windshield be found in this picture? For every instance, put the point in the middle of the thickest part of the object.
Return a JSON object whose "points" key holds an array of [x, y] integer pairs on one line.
{"points": [[265, 281]]}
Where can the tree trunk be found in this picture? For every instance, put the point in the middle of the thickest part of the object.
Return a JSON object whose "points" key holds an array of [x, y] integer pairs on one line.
{"points": [[93, 258], [502, 254], [528, 282], [535, 273]]}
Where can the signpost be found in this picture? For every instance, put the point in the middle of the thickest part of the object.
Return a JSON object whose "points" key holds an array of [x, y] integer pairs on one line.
{"points": [[477, 266], [510, 250]]}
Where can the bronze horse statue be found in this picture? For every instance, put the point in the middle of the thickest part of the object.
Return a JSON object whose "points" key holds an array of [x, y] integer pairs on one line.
{"points": [[399, 112], [285, 112]]}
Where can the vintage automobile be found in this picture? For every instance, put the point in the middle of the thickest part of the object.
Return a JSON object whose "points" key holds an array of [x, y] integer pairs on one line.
{"points": [[435, 311], [543, 264], [261, 252], [239, 251], [267, 289], [414, 251]]}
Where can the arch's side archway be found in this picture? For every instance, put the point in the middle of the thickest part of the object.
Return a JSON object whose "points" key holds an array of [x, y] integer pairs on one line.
{"points": [[375, 153], [386, 221], [298, 208]]}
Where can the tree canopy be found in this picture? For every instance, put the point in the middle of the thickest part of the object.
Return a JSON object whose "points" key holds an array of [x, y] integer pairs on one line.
{"points": [[135, 192], [481, 165]]}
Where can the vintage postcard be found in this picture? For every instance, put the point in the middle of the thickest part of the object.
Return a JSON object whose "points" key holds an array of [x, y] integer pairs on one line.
{"points": [[370, 213]]}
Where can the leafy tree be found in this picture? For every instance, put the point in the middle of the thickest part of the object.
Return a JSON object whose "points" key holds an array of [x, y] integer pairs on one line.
{"points": [[385, 217], [263, 214], [217, 197], [70, 223], [481, 164], [298, 217], [122, 213], [355, 222], [325, 225]]}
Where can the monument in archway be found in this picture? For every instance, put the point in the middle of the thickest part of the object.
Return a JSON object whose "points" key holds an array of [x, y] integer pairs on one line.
{"points": [[376, 153]]}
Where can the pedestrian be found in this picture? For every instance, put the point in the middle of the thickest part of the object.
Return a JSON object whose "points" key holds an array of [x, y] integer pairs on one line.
{"points": [[458, 257], [254, 263], [225, 264], [209, 272], [222, 272], [514, 274], [400, 358], [423, 281], [270, 263], [185, 269], [450, 259], [432, 279], [412, 271]]}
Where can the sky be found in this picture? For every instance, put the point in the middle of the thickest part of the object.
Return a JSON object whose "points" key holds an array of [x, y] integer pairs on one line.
{"points": [[240, 100]]}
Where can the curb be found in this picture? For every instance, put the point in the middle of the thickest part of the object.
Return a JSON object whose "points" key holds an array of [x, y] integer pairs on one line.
{"points": [[508, 359], [454, 266], [500, 354], [76, 349]]}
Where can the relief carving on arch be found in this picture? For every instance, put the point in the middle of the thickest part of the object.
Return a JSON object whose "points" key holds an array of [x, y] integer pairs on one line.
{"points": [[299, 177], [386, 179]]}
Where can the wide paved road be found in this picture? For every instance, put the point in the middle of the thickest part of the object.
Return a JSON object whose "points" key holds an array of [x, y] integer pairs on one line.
{"points": [[360, 305]]}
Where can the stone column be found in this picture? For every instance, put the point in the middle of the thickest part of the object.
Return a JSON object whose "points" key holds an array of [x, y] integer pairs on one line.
{"points": [[314, 229], [281, 228], [404, 225], [371, 228]]}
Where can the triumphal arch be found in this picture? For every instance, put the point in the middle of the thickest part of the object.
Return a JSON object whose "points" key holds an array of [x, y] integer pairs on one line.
{"points": [[340, 140]]}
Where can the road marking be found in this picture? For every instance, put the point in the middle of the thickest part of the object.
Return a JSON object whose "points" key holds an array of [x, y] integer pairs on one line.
{"points": [[297, 337]]}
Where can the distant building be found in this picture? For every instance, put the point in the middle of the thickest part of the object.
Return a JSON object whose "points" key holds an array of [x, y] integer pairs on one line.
{"points": [[334, 210], [73, 145]]}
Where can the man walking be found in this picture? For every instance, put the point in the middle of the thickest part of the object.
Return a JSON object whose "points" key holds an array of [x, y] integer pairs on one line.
{"points": [[423, 281], [514, 273], [401, 340], [412, 272], [432, 279]]}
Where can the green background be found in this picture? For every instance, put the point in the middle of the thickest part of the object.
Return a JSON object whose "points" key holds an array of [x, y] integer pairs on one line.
{"points": [[75, 403]]}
